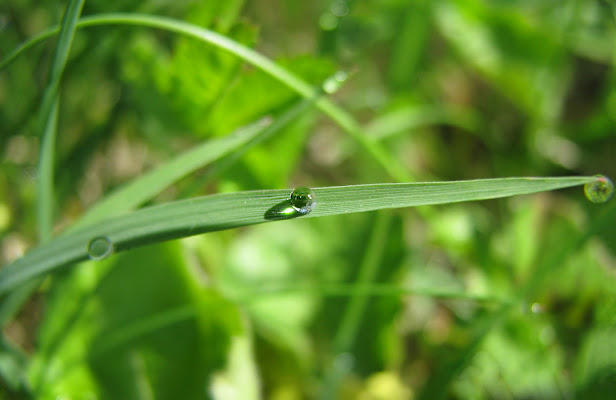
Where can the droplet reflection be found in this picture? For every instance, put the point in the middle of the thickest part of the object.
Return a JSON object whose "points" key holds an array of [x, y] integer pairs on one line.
{"points": [[303, 200], [600, 190], [100, 247]]}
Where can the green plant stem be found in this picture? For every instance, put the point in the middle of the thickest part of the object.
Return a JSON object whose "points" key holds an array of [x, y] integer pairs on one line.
{"points": [[45, 191], [353, 288], [49, 118]]}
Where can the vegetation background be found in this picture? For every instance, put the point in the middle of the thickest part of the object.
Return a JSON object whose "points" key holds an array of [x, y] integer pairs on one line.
{"points": [[512, 298]]}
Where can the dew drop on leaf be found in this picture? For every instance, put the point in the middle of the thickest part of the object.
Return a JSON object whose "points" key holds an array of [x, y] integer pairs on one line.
{"points": [[303, 200], [600, 190], [100, 247]]}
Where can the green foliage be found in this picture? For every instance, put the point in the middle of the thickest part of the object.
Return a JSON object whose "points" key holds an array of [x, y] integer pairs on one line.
{"points": [[149, 104], [124, 336]]}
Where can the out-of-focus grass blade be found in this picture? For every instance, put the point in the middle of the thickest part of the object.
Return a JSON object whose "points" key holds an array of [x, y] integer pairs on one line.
{"points": [[411, 117], [265, 292], [153, 182], [44, 183], [391, 165], [231, 210], [48, 118]]}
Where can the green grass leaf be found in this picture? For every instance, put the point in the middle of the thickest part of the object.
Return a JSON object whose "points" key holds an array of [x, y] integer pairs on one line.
{"points": [[231, 210], [48, 116], [45, 190]]}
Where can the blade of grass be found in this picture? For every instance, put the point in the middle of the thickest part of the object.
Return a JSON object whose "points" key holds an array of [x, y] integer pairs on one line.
{"points": [[44, 183], [48, 117], [337, 114], [231, 210], [412, 117]]}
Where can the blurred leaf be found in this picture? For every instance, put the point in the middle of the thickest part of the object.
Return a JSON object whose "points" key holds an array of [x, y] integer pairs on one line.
{"points": [[240, 379], [191, 77], [281, 260], [592, 31], [595, 373], [273, 163], [510, 50], [501, 366], [13, 364], [221, 15], [132, 331], [255, 93], [411, 116], [409, 43]]}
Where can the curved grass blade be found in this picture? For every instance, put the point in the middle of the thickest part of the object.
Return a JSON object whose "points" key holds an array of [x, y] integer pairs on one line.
{"points": [[341, 117], [231, 210]]}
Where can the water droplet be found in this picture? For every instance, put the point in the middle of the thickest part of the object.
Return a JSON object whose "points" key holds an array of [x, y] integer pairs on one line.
{"points": [[100, 247], [303, 200], [536, 308], [600, 190], [333, 83]]}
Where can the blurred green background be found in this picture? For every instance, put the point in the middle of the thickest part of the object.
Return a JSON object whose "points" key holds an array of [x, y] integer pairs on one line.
{"points": [[504, 299]]}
